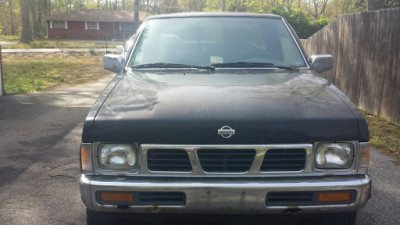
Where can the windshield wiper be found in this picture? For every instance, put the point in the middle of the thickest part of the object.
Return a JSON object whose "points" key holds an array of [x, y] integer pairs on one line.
{"points": [[171, 65], [252, 64]]}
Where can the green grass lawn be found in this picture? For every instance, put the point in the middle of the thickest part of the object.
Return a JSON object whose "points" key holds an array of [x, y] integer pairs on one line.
{"points": [[383, 135], [23, 75], [10, 38], [49, 43]]}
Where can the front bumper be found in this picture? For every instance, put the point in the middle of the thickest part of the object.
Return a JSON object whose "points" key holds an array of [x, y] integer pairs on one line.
{"points": [[226, 195]]}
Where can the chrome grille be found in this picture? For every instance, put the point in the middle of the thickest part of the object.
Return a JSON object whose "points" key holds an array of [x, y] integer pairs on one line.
{"points": [[168, 160], [284, 160], [226, 160]]}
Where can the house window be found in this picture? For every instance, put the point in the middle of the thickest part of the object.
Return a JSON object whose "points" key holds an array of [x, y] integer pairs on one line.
{"points": [[126, 26], [59, 24], [89, 25]]}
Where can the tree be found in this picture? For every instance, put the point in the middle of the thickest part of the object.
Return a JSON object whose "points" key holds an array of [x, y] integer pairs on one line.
{"points": [[26, 35], [299, 21], [192, 5], [257, 6], [336, 8], [371, 5], [317, 8], [137, 6], [382, 4], [35, 22], [219, 5], [12, 24], [169, 6]]}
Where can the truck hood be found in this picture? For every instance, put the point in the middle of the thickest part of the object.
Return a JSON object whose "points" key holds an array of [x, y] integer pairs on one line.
{"points": [[273, 107]]}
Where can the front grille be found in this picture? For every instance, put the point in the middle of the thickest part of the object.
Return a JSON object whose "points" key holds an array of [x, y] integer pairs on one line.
{"points": [[284, 160], [226, 160], [159, 198], [175, 160], [291, 198]]}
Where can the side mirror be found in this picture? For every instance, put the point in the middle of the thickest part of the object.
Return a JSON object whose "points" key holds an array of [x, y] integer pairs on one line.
{"points": [[113, 63], [120, 48], [321, 63]]}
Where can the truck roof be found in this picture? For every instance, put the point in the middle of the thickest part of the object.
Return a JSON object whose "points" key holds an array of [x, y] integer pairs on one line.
{"points": [[213, 14]]}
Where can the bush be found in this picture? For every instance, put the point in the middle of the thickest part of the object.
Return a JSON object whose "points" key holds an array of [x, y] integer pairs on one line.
{"points": [[92, 52], [299, 21]]}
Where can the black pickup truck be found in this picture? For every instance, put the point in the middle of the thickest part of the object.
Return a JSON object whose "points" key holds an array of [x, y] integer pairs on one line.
{"points": [[221, 113]]}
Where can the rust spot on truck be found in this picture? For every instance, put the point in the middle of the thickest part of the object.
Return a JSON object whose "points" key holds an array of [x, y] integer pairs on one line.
{"points": [[242, 203], [227, 209], [153, 209], [292, 209], [208, 197]]}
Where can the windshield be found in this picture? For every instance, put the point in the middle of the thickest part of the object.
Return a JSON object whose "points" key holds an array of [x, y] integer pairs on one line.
{"points": [[206, 41]]}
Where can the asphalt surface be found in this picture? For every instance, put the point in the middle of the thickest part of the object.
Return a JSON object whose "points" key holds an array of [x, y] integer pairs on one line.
{"points": [[39, 170]]}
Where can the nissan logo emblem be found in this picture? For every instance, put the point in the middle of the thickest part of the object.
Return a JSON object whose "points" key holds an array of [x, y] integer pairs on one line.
{"points": [[226, 132]]}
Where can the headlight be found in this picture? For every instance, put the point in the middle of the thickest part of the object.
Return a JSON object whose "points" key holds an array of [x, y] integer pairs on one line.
{"points": [[334, 156], [117, 156]]}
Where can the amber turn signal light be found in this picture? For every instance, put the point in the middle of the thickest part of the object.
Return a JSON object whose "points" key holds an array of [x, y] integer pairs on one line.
{"points": [[342, 196], [85, 156], [86, 159], [116, 197]]}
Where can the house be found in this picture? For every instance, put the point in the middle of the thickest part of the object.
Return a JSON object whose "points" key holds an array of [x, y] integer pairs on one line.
{"points": [[92, 24]]}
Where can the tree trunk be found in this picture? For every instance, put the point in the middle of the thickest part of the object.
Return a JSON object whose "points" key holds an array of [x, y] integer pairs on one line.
{"points": [[223, 5], [40, 16], [35, 23], [26, 35], [136, 14], [46, 8], [371, 5], [13, 31]]}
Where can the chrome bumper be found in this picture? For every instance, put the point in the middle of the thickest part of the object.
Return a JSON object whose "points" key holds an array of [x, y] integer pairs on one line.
{"points": [[243, 196]]}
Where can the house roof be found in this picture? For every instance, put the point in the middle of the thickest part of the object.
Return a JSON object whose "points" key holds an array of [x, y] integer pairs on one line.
{"points": [[98, 16]]}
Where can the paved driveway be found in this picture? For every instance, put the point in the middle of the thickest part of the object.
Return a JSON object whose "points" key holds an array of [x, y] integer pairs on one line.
{"points": [[39, 170]]}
